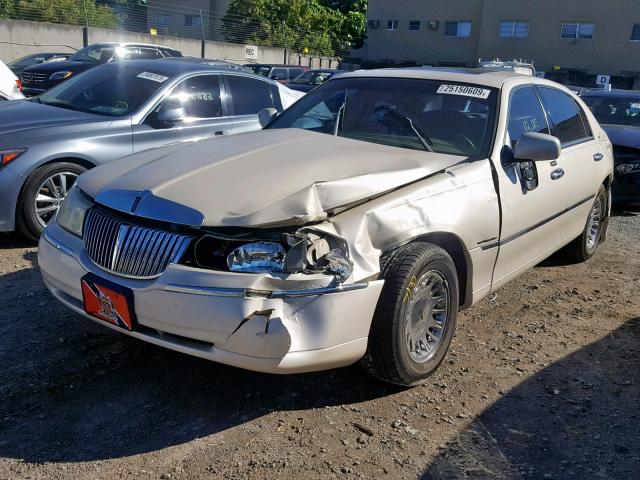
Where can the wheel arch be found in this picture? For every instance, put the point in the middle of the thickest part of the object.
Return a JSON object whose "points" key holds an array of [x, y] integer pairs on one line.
{"points": [[455, 247]]}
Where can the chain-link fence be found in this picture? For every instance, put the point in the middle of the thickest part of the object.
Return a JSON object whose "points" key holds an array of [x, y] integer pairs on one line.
{"points": [[184, 20]]}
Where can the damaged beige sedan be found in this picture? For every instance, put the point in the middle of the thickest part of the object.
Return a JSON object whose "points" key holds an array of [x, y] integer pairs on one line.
{"points": [[353, 227]]}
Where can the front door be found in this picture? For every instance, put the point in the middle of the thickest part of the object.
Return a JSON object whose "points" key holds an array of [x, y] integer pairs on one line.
{"points": [[206, 115], [246, 96], [532, 201]]}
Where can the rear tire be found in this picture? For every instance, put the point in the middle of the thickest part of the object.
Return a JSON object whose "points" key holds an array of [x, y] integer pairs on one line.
{"points": [[416, 314], [585, 246], [50, 183]]}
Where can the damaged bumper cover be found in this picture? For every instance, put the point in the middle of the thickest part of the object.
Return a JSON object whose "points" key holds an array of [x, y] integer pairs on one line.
{"points": [[276, 324]]}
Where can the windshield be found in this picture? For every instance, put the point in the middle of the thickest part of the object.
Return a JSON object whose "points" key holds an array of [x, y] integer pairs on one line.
{"points": [[93, 53], [429, 115], [313, 78], [615, 110], [113, 89]]}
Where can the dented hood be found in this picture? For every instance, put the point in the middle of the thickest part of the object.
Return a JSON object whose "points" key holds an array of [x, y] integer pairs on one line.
{"points": [[269, 177]]}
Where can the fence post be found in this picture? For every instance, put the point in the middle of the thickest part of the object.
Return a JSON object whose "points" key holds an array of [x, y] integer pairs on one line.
{"points": [[85, 36], [202, 48]]}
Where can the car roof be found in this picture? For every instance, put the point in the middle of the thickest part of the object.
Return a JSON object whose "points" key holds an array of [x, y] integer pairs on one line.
{"points": [[613, 93], [279, 65], [478, 76], [134, 44], [178, 66]]}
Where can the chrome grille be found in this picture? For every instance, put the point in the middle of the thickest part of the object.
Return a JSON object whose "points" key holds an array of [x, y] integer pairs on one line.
{"points": [[34, 77], [130, 250]]}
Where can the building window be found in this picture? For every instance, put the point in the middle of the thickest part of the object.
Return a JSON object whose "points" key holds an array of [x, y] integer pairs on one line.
{"points": [[635, 33], [392, 24], [162, 20], [513, 29], [414, 25], [457, 29], [577, 30], [192, 21]]}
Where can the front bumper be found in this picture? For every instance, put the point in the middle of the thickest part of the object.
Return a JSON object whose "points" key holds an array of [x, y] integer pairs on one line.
{"points": [[626, 189], [10, 186], [220, 316], [32, 91]]}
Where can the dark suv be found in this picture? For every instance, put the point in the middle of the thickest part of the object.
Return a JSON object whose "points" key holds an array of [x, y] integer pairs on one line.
{"points": [[40, 78]]}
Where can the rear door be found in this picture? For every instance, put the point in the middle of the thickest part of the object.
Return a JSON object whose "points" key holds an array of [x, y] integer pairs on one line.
{"points": [[246, 96], [532, 202], [206, 114]]}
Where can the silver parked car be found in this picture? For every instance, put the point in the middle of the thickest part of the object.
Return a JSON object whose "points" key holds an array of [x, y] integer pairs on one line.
{"points": [[355, 226], [111, 111]]}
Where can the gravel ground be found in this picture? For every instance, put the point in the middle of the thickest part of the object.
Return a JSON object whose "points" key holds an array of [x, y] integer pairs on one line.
{"points": [[542, 381]]}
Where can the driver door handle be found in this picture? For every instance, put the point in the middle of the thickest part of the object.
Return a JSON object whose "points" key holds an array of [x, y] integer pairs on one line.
{"points": [[557, 173]]}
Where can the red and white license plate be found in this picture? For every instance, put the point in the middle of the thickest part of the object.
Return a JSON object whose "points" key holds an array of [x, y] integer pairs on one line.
{"points": [[108, 301]]}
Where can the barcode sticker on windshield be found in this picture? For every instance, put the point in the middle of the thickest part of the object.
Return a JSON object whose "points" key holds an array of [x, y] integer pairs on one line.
{"points": [[153, 76], [464, 90]]}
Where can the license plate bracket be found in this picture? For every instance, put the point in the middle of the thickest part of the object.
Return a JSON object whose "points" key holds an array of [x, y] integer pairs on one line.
{"points": [[108, 301]]}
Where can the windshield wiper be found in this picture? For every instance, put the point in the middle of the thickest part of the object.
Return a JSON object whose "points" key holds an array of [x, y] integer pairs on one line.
{"points": [[424, 139], [66, 105]]}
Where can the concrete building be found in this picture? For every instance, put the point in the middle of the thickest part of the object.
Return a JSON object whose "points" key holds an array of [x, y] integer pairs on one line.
{"points": [[570, 40], [188, 18]]}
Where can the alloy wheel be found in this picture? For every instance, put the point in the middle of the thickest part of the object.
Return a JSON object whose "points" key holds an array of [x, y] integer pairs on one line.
{"points": [[50, 195], [426, 315]]}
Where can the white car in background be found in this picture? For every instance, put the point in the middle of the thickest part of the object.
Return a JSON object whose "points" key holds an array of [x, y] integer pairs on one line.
{"points": [[9, 84]]}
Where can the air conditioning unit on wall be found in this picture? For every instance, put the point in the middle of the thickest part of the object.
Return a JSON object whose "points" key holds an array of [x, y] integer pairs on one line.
{"points": [[373, 24]]}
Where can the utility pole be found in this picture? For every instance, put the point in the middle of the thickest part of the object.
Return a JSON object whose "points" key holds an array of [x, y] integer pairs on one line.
{"points": [[204, 37], [85, 30]]}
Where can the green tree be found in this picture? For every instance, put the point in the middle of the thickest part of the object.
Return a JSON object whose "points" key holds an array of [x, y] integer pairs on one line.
{"points": [[301, 25], [71, 12]]}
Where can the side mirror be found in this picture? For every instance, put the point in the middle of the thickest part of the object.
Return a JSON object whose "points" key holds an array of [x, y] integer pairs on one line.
{"points": [[266, 116], [537, 147], [171, 116]]}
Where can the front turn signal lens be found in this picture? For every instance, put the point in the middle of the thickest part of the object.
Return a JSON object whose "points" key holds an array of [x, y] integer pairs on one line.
{"points": [[8, 156]]}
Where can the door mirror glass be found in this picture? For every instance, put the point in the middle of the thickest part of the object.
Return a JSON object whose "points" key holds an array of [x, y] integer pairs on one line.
{"points": [[537, 147], [266, 116], [170, 116]]}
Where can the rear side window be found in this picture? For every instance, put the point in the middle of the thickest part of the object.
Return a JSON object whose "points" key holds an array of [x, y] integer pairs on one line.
{"points": [[249, 95], [566, 117], [525, 115], [200, 97], [279, 74]]}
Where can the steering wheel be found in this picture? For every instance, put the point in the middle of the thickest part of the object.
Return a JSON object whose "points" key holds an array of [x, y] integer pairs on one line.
{"points": [[455, 137]]}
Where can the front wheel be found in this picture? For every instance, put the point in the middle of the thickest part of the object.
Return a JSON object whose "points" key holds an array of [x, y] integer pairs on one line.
{"points": [[416, 315], [42, 195], [583, 247]]}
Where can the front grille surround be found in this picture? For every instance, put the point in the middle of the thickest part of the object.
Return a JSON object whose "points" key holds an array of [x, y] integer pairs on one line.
{"points": [[124, 248], [34, 77]]}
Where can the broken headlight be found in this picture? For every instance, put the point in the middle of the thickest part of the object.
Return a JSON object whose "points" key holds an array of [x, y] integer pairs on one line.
{"points": [[258, 257], [303, 251]]}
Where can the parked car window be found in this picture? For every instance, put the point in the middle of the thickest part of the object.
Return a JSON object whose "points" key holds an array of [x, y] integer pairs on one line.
{"points": [[525, 115], [279, 74], [93, 53], [615, 110], [454, 119], [142, 53], [27, 61], [313, 77], [258, 69], [294, 72], [200, 96], [111, 89], [249, 95], [567, 118]]}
